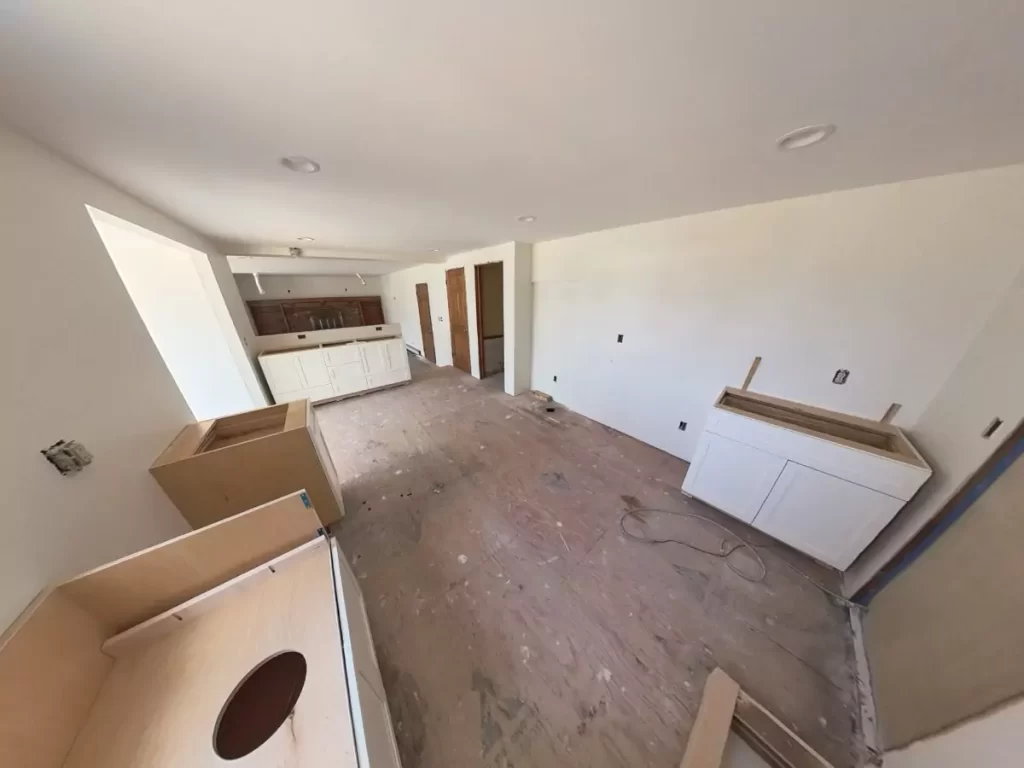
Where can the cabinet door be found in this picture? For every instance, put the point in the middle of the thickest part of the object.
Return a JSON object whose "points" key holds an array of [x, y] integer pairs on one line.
{"points": [[381, 751], [282, 373], [828, 518], [375, 738], [349, 378], [398, 358], [342, 354], [375, 357], [732, 476], [314, 369]]}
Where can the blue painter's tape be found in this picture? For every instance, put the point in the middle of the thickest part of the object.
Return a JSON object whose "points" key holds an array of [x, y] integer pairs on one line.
{"points": [[305, 500]]}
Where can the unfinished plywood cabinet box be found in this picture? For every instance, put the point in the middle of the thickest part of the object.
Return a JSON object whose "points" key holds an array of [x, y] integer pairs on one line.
{"points": [[823, 482], [217, 468], [141, 663]]}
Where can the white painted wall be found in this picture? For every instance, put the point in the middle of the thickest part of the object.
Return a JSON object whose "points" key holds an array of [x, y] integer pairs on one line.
{"points": [[164, 281], [80, 364], [893, 282], [985, 384], [399, 300], [994, 740], [306, 286]]}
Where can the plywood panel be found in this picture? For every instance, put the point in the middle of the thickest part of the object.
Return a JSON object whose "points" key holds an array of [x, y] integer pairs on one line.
{"points": [[51, 669], [944, 637], [160, 705], [129, 591]]}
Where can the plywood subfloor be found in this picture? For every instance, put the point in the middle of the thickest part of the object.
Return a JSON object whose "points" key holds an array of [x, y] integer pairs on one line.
{"points": [[516, 626]]}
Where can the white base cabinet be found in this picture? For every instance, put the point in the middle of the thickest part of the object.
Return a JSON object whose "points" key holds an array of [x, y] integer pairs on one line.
{"points": [[827, 494], [333, 371]]}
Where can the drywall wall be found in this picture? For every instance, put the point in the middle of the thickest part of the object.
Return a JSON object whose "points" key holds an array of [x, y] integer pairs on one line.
{"points": [[163, 279], [994, 740], [944, 637], [79, 364], [232, 314], [399, 300], [892, 282], [491, 290], [306, 286], [986, 384]]}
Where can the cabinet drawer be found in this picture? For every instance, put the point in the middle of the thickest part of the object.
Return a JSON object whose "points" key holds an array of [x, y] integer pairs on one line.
{"points": [[830, 519], [341, 355], [732, 476], [317, 394]]}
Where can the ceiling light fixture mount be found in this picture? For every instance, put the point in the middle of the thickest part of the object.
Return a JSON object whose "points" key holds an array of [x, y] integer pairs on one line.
{"points": [[805, 137], [300, 164], [526, 219]]}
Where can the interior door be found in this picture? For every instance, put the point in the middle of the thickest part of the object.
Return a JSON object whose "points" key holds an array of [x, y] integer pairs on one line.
{"points": [[426, 327], [458, 318], [830, 519]]}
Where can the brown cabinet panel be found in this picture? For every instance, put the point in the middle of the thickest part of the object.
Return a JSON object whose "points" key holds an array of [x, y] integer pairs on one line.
{"points": [[373, 311], [298, 315]]}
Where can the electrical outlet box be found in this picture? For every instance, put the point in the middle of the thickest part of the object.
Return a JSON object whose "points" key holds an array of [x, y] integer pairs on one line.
{"points": [[620, 338], [682, 426], [841, 376]]}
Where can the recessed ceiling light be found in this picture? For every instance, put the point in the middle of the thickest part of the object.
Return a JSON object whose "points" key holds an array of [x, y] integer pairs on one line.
{"points": [[435, 250], [805, 137], [306, 239], [527, 219], [300, 164]]}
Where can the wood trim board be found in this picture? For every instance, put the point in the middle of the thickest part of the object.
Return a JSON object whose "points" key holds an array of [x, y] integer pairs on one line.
{"points": [[170, 620], [128, 591], [726, 708]]}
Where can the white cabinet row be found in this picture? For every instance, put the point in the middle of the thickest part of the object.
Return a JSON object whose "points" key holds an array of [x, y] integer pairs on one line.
{"points": [[825, 497], [327, 372]]}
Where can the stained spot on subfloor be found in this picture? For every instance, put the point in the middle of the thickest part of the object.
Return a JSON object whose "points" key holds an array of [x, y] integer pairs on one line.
{"points": [[494, 710], [555, 480], [407, 710], [632, 502], [588, 713]]}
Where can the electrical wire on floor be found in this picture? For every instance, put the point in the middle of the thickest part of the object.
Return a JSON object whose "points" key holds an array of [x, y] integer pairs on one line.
{"points": [[725, 550]]}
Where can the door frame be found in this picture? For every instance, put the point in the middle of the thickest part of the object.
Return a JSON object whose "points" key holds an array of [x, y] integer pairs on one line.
{"points": [[479, 290], [478, 270]]}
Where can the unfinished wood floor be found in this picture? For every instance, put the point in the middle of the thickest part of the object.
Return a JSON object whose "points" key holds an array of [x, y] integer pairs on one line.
{"points": [[516, 626]]}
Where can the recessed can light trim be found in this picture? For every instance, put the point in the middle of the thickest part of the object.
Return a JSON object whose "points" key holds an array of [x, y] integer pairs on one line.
{"points": [[305, 239], [300, 164], [526, 219], [807, 136]]}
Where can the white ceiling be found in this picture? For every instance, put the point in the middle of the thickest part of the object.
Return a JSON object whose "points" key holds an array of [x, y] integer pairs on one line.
{"points": [[438, 123]]}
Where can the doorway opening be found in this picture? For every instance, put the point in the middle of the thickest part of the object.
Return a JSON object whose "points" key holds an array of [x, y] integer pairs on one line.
{"points": [[490, 318], [173, 289]]}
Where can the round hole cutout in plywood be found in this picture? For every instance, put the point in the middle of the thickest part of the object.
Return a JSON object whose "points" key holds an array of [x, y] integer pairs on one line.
{"points": [[263, 700]]}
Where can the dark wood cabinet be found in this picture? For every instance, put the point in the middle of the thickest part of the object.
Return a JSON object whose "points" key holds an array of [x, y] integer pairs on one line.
{"points": [[297, 315]]}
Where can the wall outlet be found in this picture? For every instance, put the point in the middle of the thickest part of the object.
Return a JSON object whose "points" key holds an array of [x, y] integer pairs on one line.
{"points": [[620, 338], [841, 376], [682, 426], [556, 378]]}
